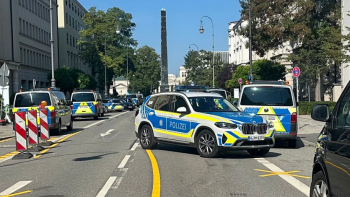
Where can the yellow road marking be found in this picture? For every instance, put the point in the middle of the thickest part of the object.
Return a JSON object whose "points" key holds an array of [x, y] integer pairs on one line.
{"points": [[53, 145], [5, 140], [272, 173], [156, 176], [8, 154], [19, 193]]}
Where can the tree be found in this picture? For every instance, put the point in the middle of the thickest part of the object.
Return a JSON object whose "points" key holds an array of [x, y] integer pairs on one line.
{"points": [[268, 70], [146, 76], [225, 74], [101, 29], [241, 72]]}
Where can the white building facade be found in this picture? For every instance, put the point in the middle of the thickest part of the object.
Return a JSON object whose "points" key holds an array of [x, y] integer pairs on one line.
{"points": [[224, 56], [345, 22], [25, 42]]}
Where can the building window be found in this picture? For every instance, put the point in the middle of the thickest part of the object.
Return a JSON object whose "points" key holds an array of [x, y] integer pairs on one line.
{"points": [[19, 2], [67, 39], [70, 22], [75, 9], [70, 40], [73, 42], [21, 53], [20, 25], [73, 22], [66, 18], [76, 25]]}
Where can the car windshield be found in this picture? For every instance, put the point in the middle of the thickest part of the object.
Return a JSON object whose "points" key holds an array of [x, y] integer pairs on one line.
{"points": [[105, 101], [116, 101], [211, 104], [267, 95], [131, 96], [32, 99], [81, 97], [221, 92]]}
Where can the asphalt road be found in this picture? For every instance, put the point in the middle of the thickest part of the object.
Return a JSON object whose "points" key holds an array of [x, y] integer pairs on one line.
{"points": [[102, 158]]}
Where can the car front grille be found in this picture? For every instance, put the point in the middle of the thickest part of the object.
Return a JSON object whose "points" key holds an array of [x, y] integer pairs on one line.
{"points": [[254, 128]]}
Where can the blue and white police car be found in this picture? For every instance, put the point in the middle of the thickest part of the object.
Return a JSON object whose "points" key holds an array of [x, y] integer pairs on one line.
{"points": [[203, 120]]}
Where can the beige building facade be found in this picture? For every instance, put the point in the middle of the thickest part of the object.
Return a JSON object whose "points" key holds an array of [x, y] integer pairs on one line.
{"points": [[70, 22], [25, 41]]}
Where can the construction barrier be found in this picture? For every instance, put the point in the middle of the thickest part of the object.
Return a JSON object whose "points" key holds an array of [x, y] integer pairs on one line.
{"points": [[21, 133], [44, 126], [33, 127]]}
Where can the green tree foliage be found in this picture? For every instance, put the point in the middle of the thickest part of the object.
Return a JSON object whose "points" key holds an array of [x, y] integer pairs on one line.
{"points": [[241, 72], [147, 71], [268, 70], [100, 36], [67, 79], [225, 74]]}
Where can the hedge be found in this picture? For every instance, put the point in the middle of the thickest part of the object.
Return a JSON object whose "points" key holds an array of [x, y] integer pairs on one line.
{"points": [[305, 108]]}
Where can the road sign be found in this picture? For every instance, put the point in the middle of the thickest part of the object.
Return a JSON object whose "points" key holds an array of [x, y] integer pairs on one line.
{"points": [[240, 81], [192, 83], [249, 77], [4, 73], [296, 71]]}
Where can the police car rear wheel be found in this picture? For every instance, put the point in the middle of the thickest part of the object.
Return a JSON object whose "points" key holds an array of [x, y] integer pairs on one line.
{"points": [[146, 137], [206, 144], [259, 151]]}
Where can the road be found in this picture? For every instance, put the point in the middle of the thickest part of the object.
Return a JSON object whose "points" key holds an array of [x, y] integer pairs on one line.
{"points": [[102, 158]]}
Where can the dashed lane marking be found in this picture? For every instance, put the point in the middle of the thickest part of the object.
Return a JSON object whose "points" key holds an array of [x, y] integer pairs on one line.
{"points": [[291, 180], [14, 188], [106, 187], [124, 161]]}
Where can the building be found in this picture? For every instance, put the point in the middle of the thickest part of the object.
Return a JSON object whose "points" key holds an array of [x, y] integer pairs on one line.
{"points": [[25, 42], [70, 22], [224, 55], [120, 84], [173, 81], [345, 67], [183, 74]]}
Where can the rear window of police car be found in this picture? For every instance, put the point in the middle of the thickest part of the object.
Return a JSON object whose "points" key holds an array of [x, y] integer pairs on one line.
{"points": [[267, 95], [82, 97], [32, 99]]}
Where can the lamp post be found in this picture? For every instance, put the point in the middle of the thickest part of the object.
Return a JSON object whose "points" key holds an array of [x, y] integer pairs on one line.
{"points": [[250, 41], [53, 81], [201, 30]]}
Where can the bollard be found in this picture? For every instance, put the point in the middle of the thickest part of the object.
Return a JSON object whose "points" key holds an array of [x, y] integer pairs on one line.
{"points": [[33, 134], [21, 136], [44, 128]]}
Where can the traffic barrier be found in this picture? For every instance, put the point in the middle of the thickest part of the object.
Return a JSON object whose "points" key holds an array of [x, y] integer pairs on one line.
{"points": [[32, 127], [21, 136], [44, 128]]}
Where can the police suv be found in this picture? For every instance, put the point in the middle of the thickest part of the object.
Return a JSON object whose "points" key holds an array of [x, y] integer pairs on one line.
{"points": [[204, 120], [87, 103]]}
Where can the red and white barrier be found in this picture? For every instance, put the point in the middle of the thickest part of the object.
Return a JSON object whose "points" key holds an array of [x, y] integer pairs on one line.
{"points": [[33, 127], [44, 126], [21, 133]]}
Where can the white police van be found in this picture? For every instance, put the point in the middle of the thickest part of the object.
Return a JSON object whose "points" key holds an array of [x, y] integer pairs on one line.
{"points": [[196, 119]]}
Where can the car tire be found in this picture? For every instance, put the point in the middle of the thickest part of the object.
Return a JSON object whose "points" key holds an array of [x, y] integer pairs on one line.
{"points": [[103, 114], [70, 127], [206, 144], [96, 117], [292, 143], [258, 151], [318, 180], [147, 139], [58, 131]]}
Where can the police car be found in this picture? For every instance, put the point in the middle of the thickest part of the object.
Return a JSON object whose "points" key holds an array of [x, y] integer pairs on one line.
{"points": [[87, 104], [196, 119]]}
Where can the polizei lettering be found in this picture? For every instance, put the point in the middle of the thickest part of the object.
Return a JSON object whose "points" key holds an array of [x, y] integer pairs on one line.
{"points": [[177, 125]]}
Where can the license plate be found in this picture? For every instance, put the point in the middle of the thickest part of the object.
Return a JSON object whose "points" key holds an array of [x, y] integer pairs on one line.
{"points": [[256, 138], [130, 106], [84, 107], [270, 117]]}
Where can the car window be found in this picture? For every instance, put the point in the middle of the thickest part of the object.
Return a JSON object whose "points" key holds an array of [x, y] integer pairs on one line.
{"points": [[211, 104], [116, 101], [221, 92], [131, 96], [178, 101], [151, 101], [32, 99], [61, 97], [105, 101], [267, 95], [83, 97], [162, 103], [343, 113]]}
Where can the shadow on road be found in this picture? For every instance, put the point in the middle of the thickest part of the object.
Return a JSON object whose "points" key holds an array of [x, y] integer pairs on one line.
{"points": [[92, 157]]}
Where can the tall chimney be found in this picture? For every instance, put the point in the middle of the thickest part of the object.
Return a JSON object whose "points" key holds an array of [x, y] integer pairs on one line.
{"points": [[164, 87]]}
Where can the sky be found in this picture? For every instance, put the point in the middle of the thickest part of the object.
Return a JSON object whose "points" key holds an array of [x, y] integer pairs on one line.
{"points": [[183, 23]]}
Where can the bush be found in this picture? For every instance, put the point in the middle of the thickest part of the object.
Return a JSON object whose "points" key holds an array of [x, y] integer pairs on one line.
{"points": [[305, 108]]}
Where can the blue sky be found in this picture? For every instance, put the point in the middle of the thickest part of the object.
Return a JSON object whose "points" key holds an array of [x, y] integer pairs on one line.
{"points": [[183, 22]]}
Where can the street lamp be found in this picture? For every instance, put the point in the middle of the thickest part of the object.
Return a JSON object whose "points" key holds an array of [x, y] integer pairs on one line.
{"points": [[201, 30], [250, 41], [53, 81]]}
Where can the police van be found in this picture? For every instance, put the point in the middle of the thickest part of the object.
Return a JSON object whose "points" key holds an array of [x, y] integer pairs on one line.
{"points": [[195, 119], [59, 115], [87, 103], [276, 102], [220, 91]]}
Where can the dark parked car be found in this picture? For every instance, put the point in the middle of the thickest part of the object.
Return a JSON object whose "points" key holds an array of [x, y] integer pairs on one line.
{"points": [[331, 169], [127, 105]]}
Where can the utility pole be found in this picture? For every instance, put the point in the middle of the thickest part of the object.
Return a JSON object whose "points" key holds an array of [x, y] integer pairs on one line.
{"points": [[250, 40], [106, 94], [53, 81]]}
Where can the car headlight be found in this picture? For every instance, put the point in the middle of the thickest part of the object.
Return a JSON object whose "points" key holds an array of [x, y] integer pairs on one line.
{"points": [[270, 124], [225, 125]]}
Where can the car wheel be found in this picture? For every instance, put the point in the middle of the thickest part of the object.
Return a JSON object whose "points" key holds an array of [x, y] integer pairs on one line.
{"points": [[58, 131], [259, 151], [96, 117], [70, 127], [147, 140], [206, 144], [292, 143], [319, 186], [103, 114]]}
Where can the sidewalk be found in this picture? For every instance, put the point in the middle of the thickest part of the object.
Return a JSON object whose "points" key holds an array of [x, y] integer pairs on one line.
{"points": [[6, 131]]}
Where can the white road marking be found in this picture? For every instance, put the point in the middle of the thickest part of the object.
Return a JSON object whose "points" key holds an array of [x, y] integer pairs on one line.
{"points": [[107, 186], [291, 180], [124, 161], [14, 187], [93, 124], [107, 133], [117, 183], [134, 146], [117, 115], [5, 146]]}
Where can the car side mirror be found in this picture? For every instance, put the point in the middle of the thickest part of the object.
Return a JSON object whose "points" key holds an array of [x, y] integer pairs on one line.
{"points": [[235, 102], [320, 112], [181, 110]]}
